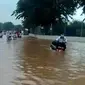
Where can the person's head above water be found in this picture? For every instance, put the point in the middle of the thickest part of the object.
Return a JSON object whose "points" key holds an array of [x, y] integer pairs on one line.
{"points": [[62, 36]]}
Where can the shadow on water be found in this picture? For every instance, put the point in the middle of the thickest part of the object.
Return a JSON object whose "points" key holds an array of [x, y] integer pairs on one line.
{"points": [[36, 64]]}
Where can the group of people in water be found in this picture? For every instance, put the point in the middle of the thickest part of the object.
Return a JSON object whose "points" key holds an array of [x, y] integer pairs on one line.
{"points": [[59, 43], [11, 35]]}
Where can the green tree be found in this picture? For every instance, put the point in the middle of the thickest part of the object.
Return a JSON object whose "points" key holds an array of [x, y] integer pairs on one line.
{"points": [[1, 26], [76, 28], [8, 26], [18, 27], [44, 12]]}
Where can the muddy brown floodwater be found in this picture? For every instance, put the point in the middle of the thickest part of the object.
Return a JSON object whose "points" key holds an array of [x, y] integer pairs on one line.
{"points": [[29, 61]]}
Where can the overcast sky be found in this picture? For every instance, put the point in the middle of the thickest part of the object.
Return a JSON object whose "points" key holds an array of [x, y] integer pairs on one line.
{"points": [[8, 6], [6, 9], [78, 15]]}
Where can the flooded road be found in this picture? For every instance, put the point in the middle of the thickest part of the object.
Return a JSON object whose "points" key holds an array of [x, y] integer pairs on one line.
{"points": [[31, 62]]}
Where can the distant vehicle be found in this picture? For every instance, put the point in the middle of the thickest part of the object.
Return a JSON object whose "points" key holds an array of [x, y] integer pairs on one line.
{"points": [[1, 34], [19, 35], [9, 36], [14, 37]]}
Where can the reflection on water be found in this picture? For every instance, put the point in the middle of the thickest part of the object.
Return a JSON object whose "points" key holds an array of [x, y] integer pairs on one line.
{"points": [[31, 62]]}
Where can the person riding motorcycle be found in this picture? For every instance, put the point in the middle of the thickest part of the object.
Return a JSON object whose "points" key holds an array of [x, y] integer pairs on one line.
{"points": [[9, 36], [1, 34], [18, 34], [14, 36], [60, 41]]}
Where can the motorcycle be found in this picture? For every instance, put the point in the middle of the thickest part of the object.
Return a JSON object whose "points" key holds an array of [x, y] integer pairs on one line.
{"points": [[58, 49], [19, 35], [9, 38], [1, 35], [14, 37], [61, 46]]}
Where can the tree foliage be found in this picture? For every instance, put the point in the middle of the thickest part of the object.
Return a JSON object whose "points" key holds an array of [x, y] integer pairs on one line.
{"points": [[9, 26], [44, 12], [75, 28], [18, 27], [1, 26]]}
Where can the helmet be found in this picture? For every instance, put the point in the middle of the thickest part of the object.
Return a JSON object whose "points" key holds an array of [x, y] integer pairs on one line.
{"points": [[62, 36]]}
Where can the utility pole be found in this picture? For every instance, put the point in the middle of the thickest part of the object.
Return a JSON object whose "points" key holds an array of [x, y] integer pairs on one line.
{"points": [[51, 29], [81, 29], [65, 29]]}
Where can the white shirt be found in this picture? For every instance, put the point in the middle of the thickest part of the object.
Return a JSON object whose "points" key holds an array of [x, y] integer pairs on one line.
{"points": [[65, 40]]}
